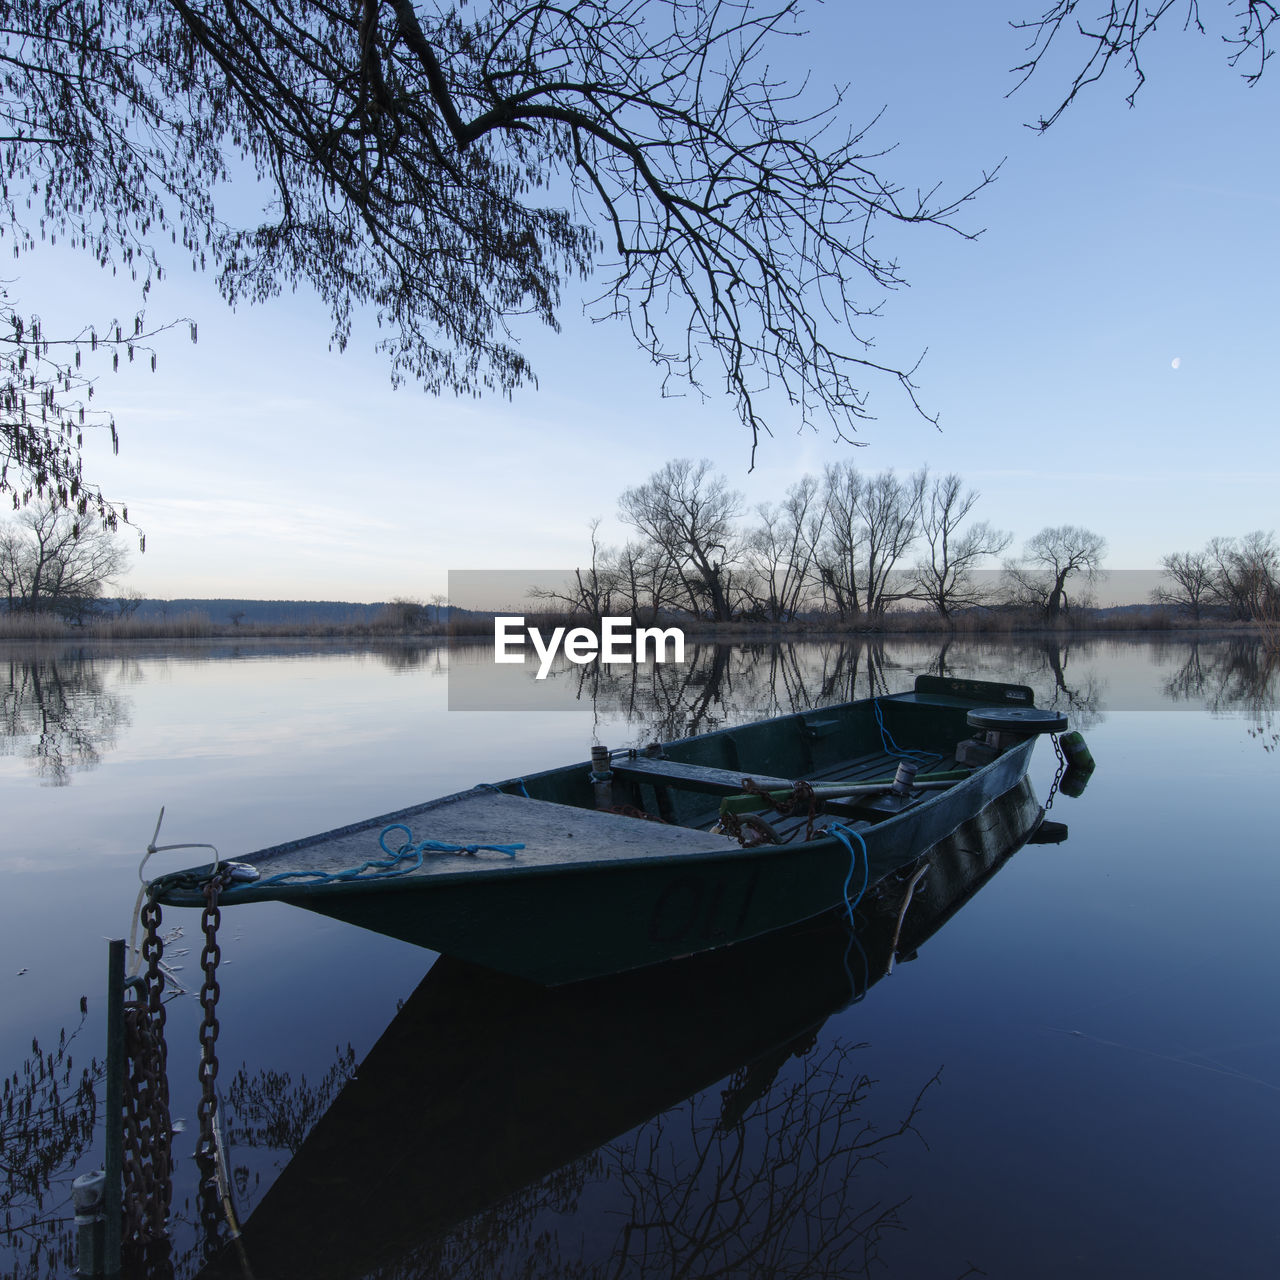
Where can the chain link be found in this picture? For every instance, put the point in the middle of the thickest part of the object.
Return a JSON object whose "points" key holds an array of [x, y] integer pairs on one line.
{"points": [[207, 1146], [1057, 777], [147, 1164]]}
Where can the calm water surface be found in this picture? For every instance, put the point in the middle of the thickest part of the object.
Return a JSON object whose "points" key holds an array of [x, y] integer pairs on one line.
{"points": [[1078, 1074]]}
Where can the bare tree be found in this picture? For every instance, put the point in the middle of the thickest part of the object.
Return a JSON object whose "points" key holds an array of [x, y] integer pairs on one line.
{"points": [[944, 574], [891, 518], [687, 511], [870, 524], [837, 552], [1049, 560], [1245, 574], [127, 602], [1190, 575], [591, 591], [780, 549], [52, 561], [644, 580]]}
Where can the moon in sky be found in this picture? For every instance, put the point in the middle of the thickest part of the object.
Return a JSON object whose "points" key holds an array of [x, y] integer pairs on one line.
{"points": [[1176, 362]]}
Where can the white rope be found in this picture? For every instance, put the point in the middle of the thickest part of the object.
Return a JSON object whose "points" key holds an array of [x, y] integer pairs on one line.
{"points": [[135, 953]]}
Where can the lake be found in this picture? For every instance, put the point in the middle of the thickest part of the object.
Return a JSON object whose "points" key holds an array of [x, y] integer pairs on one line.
{"points": [[1076, 1073]]}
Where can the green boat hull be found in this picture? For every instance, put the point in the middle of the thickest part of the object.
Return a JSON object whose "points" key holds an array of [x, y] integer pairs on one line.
{"points": [[650, 893], [592, 1061]]}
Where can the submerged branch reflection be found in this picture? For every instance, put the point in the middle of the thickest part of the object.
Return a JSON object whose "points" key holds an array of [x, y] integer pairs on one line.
{"points": [[787, 1191], [48, 1111], [275, 1111], [780, 1192]]}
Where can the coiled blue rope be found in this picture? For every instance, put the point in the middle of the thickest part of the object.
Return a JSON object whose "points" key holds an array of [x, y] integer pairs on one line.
{"points": [[891, 748], [842, 833], [397, 863]]}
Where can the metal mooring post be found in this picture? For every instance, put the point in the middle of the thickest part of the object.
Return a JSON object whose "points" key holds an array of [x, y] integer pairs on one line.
{"points": [[86, 1199], [96, 1196], [114, 1122]]}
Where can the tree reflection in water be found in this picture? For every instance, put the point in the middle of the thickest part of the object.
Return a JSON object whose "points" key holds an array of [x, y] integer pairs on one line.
{"points": [[273, 1111], [726, 684], [1236, 677], [409, 656], [722, 684], [755, 1179], [57, 712], [775, 1192]]}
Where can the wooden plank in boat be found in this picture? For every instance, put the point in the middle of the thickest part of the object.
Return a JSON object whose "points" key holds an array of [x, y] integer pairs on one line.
{"points": [[694, 777], [728, 782]]}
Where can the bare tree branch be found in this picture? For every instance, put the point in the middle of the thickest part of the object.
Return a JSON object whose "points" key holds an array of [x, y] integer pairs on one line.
{"points": [[1120, 30]]}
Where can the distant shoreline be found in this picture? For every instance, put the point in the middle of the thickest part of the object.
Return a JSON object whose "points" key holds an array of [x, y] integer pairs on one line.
{"points": [[1154, 623]]}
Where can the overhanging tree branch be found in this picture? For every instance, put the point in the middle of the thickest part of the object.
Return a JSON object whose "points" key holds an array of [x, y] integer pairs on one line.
{"points": [[1120, 30]]}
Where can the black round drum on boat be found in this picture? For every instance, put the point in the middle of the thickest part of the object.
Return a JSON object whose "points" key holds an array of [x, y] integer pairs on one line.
{"points": [[1025, 720]]}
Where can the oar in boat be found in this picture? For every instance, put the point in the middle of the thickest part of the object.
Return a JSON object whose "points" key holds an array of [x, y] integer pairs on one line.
{"points": [[753, 801]]}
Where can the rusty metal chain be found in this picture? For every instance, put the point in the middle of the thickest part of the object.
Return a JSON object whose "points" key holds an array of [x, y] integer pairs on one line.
{"points": [[147, 1165], [800, 803], [207, 1145], [134, 1167], [731, 826], [1057, 777]]}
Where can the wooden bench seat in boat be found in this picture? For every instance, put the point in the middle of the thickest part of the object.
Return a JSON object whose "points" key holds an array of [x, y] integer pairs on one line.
{"points": [[702, 779], [693, 777], [660, 772]]}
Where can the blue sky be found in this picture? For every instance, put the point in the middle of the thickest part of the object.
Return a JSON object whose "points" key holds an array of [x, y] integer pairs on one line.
{"points": [[262, 465]]}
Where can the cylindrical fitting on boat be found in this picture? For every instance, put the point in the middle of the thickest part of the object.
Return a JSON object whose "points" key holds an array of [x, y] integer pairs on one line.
{"points": [[1076, 753], [601, 777], [87, 1191], [906, 775]]}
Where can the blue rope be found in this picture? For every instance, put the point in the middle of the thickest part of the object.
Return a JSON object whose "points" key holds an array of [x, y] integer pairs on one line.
{"points": [[891, 748], [493, 786], [378, 869], [842, 833], [437, 846], [857, 993]]}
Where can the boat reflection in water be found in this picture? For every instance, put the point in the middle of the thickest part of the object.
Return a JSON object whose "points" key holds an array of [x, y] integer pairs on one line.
{"points": [[490, 1105]]}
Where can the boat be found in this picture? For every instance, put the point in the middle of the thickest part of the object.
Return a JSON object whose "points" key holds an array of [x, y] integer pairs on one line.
{"points": [[484, 1085], [641, 856]]}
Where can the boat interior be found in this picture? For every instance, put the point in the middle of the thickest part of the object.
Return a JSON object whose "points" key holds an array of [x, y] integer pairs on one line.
{"points": [[858, 745]]}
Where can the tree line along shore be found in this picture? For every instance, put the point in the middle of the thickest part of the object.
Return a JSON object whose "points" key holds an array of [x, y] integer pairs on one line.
{"points": [[394, 627], [846, 550]]}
